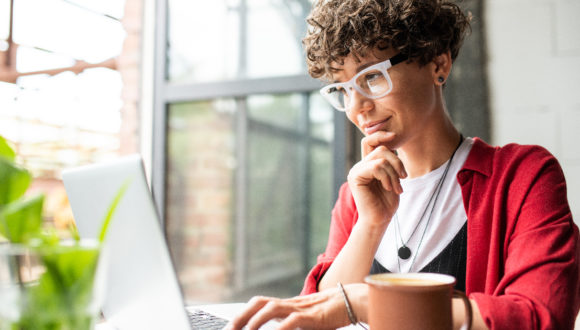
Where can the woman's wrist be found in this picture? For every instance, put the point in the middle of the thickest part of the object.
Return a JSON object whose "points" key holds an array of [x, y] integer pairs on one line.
{"points": [[358, 297], [459, 314], [372, 231]]}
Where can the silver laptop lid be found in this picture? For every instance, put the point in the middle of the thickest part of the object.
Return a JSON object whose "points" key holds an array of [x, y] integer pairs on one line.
{"points": [[142, 291]]}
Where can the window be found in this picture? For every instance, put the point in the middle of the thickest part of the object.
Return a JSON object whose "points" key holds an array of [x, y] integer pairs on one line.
{"points": [[65, 96], [247, 180]]}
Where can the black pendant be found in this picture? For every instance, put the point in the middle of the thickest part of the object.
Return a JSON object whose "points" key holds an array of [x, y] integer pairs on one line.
{"points": [[404, 252]]}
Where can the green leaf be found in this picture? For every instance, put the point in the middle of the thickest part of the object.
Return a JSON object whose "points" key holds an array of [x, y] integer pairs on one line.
{"points": [[14, 181], [47, 238], [63, 296], [111, 210], [21, 220], [5, 150], [74, 231]]}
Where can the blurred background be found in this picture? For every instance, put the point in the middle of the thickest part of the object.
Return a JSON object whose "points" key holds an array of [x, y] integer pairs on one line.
{"points": [[243, 156]]}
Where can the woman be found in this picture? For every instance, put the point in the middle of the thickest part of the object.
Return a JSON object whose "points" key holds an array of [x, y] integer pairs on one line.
{"points": [[423, 197]]}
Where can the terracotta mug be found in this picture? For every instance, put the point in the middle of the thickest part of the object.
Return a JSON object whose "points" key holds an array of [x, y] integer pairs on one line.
{"points": [[413, 301]]}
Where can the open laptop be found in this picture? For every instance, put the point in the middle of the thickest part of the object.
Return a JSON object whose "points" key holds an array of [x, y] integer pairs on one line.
{"points": [[142, 290]]}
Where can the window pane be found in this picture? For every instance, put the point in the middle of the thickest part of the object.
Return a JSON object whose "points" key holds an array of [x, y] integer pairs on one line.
{"points": [[200, 176], [321, 194], [63, 120], [114, 8], [322, 166], [203, 40], [275, 209], [74, 117], [282, 111], [276, 182], [30, 59], [229, 39], [240, 226], [64, 28], [321, 117], [275, 32]]}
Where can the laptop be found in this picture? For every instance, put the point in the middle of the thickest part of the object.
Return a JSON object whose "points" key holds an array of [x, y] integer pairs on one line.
{"points": [[141, 290]]}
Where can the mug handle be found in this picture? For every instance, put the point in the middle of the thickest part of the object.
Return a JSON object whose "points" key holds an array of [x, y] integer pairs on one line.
{"points": [[468, 312]]}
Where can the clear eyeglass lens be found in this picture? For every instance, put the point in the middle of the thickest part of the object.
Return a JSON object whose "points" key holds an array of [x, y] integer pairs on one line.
{"points": [[338, 97], [373, 83]]}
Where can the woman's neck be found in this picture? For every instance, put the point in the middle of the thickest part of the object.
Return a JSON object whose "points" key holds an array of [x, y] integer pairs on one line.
{"points": [[431, 148]]}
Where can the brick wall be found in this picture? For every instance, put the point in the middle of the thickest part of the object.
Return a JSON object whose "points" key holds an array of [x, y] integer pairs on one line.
{"points": [[199, 207], [534, 77]]}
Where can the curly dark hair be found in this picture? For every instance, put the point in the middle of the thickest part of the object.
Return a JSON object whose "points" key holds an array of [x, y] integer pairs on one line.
{"points": [[421, 29]]}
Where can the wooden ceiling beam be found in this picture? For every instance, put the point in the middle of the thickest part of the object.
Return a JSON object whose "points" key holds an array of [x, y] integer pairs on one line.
{"points": [[10, 74]]}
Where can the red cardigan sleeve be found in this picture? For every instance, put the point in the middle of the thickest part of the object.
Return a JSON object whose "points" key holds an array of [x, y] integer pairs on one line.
{"points": [[523, 253], [344, 216]]}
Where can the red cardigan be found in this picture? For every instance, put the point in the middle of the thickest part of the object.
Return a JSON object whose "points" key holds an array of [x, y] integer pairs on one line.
{"points": [[522, 245]]}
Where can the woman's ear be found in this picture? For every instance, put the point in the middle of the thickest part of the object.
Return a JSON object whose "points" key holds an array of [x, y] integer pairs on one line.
{"points": [[441, 68]]}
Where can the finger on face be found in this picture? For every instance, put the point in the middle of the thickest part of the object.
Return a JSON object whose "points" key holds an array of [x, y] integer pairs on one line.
{"points": [[392, 177], [252, 307], [386, 175], [393, 160], [370, 142]]}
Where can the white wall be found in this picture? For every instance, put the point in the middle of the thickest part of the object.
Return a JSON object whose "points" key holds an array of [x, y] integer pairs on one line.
{"points": [[534, 75]]}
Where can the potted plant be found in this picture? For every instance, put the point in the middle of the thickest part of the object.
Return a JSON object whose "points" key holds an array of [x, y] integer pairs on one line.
{"points": [[47, 281]]}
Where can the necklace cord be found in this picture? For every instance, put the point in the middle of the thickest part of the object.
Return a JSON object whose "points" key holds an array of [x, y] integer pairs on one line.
{"points": [[436, 194], [420, 219]]}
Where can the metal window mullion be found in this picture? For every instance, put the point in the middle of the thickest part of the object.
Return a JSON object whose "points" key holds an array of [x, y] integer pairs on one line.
{"points": [[283, 132], [159, 110], [241, 199], [240, 88], [306, 196], [241, 255]]}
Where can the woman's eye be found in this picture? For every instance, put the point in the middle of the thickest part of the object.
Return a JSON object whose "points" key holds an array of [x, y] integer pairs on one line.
{"points": [[335, 90], [340, 90], [372, 77]]}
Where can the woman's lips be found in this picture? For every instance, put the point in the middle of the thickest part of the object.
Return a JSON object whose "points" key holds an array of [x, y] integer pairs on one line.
{"points": [[374, 126]]}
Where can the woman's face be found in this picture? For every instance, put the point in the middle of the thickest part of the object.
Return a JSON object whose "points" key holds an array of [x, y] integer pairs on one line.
{"points": [[412, 104]]}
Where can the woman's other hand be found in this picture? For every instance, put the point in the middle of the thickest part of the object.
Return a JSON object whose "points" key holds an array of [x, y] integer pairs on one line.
{"points": [[322, 310]]}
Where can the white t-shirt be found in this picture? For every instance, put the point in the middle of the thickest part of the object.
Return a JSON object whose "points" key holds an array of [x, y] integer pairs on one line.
{"points": [[432, 235]]}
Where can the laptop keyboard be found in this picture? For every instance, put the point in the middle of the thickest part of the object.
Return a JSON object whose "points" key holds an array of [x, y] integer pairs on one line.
{"points": [[201, 320]]}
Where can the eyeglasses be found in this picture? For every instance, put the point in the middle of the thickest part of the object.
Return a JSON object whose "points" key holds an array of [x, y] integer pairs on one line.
{"points": [[373, 82]]}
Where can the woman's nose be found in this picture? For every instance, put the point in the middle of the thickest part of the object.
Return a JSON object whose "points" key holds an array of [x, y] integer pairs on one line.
{"points": [[358, 103]]}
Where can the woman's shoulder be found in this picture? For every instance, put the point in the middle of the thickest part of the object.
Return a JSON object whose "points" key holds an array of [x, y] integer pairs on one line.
{"points": [[512, 154], [524, 150]]}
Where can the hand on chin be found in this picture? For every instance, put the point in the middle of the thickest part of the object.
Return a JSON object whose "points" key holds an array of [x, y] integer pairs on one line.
{"points": [[376, 139]]}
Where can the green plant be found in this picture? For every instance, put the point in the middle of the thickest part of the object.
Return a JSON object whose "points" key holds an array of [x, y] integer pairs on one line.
{"points": [[62, 297], [20, 215]]}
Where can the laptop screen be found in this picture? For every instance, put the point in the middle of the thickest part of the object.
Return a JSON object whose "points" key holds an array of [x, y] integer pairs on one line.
{"points": [[142, 291]]}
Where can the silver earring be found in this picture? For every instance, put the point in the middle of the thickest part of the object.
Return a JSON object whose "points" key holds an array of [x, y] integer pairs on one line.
{"points": [[441, 80]]}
